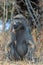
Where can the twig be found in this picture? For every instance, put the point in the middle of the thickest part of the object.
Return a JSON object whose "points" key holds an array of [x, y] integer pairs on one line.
{"points": [[35, 4], [32, 14]]}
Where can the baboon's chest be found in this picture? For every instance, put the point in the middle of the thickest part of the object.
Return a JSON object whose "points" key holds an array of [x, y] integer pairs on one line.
{"points": [[20, 37]]}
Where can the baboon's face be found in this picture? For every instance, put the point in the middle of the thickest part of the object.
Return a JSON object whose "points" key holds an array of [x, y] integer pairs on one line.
{"points": [[18, 27]]}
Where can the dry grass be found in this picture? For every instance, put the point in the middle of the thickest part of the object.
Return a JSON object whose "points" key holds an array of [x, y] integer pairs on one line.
{"points": [[39, 50], [20, 63]]}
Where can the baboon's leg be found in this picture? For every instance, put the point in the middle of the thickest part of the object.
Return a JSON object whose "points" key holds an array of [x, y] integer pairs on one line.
{"points": [[12, 53]]}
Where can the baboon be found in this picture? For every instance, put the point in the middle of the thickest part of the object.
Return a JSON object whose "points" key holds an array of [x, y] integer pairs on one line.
{"points": [[21, 34]]}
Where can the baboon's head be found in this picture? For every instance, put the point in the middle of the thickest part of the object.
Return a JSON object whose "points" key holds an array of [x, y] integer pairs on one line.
{"points": [[18, 26]]}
